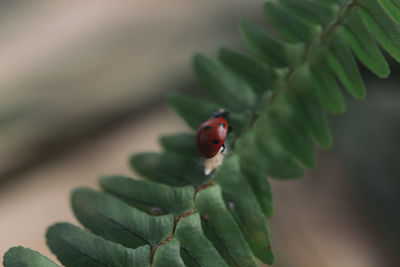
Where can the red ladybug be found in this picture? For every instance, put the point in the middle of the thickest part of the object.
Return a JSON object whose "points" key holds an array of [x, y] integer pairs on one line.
{"points": [[211, 134]]}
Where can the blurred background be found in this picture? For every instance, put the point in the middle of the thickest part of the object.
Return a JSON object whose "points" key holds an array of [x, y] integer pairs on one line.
{"points": [[82, 86]]}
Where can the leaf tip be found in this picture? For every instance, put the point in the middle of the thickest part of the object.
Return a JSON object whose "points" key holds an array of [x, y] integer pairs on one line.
{"points": [[361, 95], [384, 73]]}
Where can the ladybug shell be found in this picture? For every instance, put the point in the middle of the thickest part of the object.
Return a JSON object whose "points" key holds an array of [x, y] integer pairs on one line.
{"points": [[211, 136]]}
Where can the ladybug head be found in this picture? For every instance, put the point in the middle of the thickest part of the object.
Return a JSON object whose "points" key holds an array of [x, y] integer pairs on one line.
{"points": [[220, 113]]}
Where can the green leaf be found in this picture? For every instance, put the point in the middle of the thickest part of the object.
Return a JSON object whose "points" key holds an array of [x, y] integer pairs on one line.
{"points": [[188, 260], [393, 7], [279, 163], [274, 52], [75, 247], [222, 230], [283, 167], [254, 165], [224, 87], [312, 11], [311, 114], [25, 257], [331, 2], [343, 63], [383, 27], [195, 243], [193, 111], [364, 46], [260, 76], [327, 89], [244, 206], [175, 200], [181, 144], [292, 28], [169, 169], [342, 3], [168, 255], [239, 121], [115, 220], [292, 135], [262, 190], [345, 2], [306, 107]]}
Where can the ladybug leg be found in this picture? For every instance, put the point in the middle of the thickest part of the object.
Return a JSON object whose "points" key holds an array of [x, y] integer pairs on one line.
{"points": [[222, 148], [230, 129]]}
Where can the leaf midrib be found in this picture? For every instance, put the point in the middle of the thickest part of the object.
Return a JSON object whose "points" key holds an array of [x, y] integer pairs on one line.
{"points": [[222, 244], [191, 256], [85, 254], [126, 228]]}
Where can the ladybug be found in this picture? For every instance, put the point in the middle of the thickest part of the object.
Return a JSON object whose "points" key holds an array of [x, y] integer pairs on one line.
{"points": [[212, 133]]}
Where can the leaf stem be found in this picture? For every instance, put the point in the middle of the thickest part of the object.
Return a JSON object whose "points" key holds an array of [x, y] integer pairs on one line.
{"points": [[312, 48], [318, 41], [176, 221]]}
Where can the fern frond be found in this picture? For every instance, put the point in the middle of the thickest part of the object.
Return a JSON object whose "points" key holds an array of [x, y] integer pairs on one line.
{"points": [[277, 98]]}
